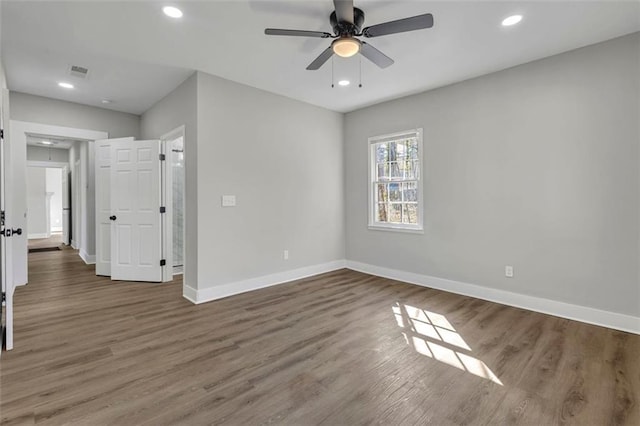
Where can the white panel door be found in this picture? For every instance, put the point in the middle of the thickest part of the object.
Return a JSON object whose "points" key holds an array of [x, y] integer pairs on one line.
{"points": [[136, 234], [6, 269], [103, 203]]}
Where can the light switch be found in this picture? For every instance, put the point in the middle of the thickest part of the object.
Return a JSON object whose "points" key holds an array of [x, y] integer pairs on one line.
{"points": [[228, 201]]}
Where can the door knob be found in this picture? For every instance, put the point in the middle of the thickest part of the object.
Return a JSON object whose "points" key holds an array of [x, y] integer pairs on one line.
{"points": [[113, 217], [17, 231]]}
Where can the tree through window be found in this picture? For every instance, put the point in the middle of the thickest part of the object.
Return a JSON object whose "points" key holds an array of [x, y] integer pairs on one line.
{"points": [[395, 199]]}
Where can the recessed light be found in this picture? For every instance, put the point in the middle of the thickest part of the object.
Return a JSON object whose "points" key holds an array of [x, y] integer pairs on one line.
{"points": [[46, 143], [106, 101], [65, 85], [344, 82], [172, 12], [511, 20]]}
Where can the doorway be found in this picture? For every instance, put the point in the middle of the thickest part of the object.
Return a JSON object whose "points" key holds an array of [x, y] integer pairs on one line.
{"points": [[174, 196], [45, 205]]}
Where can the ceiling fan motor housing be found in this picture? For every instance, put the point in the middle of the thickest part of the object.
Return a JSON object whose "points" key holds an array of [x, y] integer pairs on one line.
{"points": [[346, 28]]}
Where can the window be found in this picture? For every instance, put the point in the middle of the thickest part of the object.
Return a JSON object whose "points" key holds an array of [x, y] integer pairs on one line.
{"points": [[395, 183]]}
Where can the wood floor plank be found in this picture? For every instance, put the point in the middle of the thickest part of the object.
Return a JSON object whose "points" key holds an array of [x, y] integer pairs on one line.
{"points": [[342, 348]]}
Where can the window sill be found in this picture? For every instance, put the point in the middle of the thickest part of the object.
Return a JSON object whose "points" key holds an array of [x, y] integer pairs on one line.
{"points": [[390, 228]]}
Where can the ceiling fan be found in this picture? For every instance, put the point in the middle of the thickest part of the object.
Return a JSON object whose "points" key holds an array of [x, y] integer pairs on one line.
{"points": [[346, 22]]}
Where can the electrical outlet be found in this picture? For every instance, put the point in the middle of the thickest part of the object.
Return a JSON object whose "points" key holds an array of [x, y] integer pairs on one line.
{"points": [[285, 255], [508, 271], [228, 201]]}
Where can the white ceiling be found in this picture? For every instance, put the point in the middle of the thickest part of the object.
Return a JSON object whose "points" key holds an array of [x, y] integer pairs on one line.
{"points": [[136, 55]]}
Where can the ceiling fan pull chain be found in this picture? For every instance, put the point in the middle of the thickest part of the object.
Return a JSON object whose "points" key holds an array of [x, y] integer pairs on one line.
{"points": [[332, 79], [360, 66]]}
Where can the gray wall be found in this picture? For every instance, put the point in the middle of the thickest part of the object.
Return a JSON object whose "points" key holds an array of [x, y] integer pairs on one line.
{"points": [[176, 109], [38, 109], [535, 167], [38, 153], [283, 160]]}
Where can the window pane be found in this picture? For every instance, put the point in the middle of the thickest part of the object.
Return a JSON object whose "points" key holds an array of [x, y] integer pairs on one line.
{"points": [[410, 213], [395, 170], [382, 193], [381, 212], [393, 152], [416, 169], [412, 147], [382, 152], [410, 191], [401, 150], [395, 213], [394, 192], [382, 171]]}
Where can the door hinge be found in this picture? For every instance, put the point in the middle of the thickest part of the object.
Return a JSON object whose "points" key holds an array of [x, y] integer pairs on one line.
{"points": [[163, 157], [2, 218], [1, 133], [4, 297], [163, 262], [163, 209]]}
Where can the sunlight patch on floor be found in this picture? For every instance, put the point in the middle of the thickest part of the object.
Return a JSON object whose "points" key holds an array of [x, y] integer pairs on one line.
{"points": [[430, 334]]}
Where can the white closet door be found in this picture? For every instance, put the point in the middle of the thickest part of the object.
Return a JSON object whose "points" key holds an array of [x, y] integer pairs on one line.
{"points": [[103, 203], [136, 234]]}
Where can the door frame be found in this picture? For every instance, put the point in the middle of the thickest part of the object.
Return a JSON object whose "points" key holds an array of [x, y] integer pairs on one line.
{"points": [[19, 132], [167, 200], [6, 276]]}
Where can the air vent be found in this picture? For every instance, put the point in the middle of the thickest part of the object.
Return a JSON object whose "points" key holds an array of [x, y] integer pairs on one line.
{"points": [[78, 71]]}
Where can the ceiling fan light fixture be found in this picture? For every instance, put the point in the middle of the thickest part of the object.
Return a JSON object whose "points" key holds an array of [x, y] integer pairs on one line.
{"points": [[346, 47]]}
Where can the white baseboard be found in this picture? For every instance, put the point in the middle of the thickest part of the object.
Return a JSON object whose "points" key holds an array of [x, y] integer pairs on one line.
{"points": [[189, 293], [230, 289], [74, 245], [89, 259], [37, 236], [586, 314]]}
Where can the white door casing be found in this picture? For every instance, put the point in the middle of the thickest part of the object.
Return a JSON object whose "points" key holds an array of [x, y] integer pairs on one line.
{"points": [[6, 270], [103, 203], [136, 234], [16, 202], [65, 204]]}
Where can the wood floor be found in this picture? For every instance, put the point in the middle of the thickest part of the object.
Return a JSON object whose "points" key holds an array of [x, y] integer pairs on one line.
{"points": [[343, 348], [38, 243]]}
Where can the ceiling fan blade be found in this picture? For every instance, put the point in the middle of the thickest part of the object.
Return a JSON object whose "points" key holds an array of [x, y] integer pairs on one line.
{"points": [[375, 56], [320, 60], [296, 33], [344, 10], [400, 26]]}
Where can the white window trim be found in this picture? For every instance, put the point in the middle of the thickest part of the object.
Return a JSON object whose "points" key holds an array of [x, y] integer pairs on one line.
{"points": [[395, 227]]}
